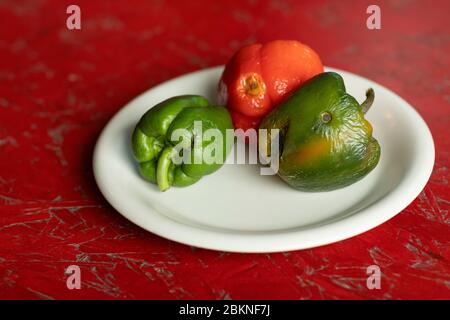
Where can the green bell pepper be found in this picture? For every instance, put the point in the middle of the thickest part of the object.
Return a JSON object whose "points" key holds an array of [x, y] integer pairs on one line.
{"points": [[154, 148], [325, 141]]}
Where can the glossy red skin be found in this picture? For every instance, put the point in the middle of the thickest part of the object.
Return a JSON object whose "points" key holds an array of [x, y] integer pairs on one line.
{"points": [[279, 67], [246, 62], [244, 122]]}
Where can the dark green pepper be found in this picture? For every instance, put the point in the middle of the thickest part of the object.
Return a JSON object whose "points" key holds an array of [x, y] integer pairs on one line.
{"points": [[325, 141], [154, 149]]}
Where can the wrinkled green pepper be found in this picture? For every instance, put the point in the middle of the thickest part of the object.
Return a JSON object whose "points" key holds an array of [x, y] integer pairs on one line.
{"points": [[325, 141], [153, 148]]}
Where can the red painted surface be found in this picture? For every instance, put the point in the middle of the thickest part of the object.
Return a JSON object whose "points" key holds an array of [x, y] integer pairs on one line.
{"points": [[58, 88]]}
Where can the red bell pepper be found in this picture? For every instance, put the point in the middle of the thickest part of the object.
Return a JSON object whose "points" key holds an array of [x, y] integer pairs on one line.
{"points": [[258, 77]]}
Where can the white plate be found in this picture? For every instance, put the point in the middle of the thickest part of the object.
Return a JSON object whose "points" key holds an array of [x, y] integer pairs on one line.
{"points": [[236, 209]]}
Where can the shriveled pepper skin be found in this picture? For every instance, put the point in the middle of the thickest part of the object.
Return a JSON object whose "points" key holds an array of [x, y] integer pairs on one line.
{"points": [[326, 143], [152, 145], [258, 77]]}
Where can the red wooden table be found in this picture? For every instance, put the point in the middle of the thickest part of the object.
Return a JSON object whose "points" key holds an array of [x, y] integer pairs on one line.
{"points": [[59, 87]]}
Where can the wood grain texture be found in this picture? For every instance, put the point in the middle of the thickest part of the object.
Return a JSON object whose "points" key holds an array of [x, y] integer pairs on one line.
{"points": [[58, 88]]}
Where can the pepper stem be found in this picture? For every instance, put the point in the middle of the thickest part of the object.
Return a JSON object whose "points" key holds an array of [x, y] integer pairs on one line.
{"points": [[163, 167], [370, 96]]}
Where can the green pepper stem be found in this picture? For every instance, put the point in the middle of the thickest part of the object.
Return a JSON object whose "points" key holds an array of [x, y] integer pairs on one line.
{"points": [[370, 96], [163, 167]]}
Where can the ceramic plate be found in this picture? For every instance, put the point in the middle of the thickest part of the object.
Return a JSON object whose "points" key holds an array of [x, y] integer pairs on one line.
{"points": [[237, 209]]}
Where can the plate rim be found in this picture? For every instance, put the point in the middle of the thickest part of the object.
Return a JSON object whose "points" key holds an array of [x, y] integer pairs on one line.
{"points": [[361, 221]]}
